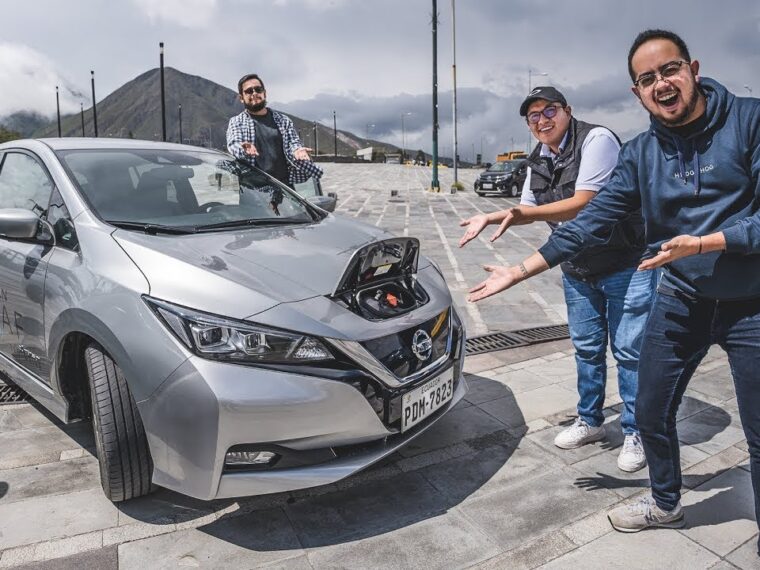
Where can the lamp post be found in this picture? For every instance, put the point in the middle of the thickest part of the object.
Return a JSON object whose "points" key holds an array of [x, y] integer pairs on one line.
{"points": [[58, 110], [403, 136], [748, 88], [163, 94], [335, 136], [94, 107], [81, 112], [316, 141], [179, 112], [454, 74], [435, 185], [532, 73]]}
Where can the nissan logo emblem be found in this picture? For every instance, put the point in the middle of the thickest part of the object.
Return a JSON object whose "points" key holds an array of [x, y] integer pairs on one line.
{"points": [[422, 345]]}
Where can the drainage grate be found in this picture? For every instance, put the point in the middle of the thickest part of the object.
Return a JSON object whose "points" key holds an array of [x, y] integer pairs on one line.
{"points": [[10, 394], [512, 339]]}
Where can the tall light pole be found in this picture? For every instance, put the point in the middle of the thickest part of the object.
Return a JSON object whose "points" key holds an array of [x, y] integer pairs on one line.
{"points": [[163, 94], [532, 73], [81, 112], [454, 74], [316, 141], [403, 137], [435, 185], [58, 110], [335, 135], [748, 88], [179, 111], [94, 107]]}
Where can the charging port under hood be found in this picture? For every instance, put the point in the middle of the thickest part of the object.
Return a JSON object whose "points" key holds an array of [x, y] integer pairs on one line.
{"points": [[379, 281]]}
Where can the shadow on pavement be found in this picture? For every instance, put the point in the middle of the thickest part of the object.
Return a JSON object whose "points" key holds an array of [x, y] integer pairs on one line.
{"points": [[446, 464]]}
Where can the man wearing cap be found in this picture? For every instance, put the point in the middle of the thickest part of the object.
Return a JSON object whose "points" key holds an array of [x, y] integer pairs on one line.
{"points": [[606, 297]]}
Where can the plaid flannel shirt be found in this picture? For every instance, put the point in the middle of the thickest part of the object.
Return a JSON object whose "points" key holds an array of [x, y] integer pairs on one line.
{"points": [[242, 128]]}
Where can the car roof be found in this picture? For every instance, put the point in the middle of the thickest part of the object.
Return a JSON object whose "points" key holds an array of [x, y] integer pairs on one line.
{"points": [[91, 143]]}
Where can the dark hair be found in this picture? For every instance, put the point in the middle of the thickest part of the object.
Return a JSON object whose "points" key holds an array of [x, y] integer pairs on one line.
{"points": [[248, 77], [648, 35]]}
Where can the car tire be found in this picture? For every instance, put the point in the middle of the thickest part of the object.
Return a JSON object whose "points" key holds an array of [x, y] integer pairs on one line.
{"points": [[125, 463], [513, 190], [480, 193]]}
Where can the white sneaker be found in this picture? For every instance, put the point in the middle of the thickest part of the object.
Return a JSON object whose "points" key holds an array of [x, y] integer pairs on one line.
{"points": [[631, 457], [578, 434], [644, 513]]}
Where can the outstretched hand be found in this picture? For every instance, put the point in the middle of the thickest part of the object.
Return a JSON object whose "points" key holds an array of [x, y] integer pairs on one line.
{"points": [[250, 149], [514, 217], [500, 279], [678, 247], [302, 153], [474, 226]]}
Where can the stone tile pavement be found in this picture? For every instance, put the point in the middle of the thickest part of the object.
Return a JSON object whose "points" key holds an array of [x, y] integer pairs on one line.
{"points": [[483, 488]]}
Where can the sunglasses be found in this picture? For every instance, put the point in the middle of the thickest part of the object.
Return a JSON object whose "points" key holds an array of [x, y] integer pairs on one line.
{"points": [[670, 69], [549, 112], [251, 90]]}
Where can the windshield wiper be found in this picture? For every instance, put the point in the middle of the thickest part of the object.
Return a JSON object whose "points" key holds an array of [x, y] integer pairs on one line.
{"points": [[153, 229], [252, 222]]}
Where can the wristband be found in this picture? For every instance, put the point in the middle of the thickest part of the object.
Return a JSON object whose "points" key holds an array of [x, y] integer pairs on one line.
{"points": [[523, 270]]}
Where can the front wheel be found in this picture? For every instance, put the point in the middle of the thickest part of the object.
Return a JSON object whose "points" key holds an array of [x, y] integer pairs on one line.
{"points": [[513, 190], [125, 463]]}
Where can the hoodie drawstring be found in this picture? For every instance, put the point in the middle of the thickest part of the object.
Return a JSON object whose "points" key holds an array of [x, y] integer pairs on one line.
{"points": [[682, 165]]}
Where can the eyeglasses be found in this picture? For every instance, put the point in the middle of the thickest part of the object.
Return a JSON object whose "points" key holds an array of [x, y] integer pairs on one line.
{"points": [[549, 112], [251, 90], [670, 69]]}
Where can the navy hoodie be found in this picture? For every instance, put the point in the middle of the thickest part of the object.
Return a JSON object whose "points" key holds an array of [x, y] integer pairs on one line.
{"points": [[707, 182]]}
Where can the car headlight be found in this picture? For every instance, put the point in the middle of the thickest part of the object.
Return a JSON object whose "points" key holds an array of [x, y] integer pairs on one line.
{"points": [[219, 338]]}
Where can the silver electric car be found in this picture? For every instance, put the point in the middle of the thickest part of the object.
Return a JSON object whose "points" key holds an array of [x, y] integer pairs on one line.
{"points": [[225, 336]]}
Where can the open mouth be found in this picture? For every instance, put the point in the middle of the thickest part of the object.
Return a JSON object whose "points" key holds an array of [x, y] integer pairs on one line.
{"points": [[668, 100], [546, 129]]}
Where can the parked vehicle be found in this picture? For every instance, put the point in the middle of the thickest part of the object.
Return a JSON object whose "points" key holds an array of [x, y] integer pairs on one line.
{"points": [[505, 177], [225, 336]]}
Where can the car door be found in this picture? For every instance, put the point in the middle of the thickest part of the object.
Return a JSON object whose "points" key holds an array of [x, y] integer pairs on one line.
{"points": [[24, 183]]}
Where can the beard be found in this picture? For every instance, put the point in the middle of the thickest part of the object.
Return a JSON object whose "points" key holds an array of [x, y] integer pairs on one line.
{"points": [[256, 107]]}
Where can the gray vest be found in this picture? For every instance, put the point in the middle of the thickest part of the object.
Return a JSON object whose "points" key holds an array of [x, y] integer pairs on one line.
{"points": [[626, 245]]}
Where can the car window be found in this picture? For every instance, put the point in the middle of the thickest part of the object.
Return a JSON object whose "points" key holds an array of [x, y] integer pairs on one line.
{"points": [[179, 188], [24, 183]]}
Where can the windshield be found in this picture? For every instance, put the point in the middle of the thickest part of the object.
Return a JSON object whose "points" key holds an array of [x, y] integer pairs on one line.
{"points": [[180, 189], [503, 166]]}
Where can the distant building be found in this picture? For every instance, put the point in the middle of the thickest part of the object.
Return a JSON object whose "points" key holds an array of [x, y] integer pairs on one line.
{"points": [[393, 158]]}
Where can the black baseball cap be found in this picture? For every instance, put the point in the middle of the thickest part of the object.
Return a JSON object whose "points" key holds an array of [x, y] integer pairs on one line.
{"points": [[546, 93]]}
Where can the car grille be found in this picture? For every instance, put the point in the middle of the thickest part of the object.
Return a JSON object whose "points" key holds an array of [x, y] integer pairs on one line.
{"points": [[395, 352]]}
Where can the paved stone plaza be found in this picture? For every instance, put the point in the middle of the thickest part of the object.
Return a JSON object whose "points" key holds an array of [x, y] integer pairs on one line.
{"points": [[484, 488]]}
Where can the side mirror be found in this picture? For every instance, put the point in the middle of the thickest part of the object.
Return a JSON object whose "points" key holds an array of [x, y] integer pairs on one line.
{"points": [[18, 223], [327, 203]]}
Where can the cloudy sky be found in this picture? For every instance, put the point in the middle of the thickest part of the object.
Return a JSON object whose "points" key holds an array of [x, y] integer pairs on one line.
{"points": [[370, 60]]}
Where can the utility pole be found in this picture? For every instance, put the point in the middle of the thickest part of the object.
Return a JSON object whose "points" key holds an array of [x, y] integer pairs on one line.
{"points": [[316, 141], [58, 110], [163, 95], [435, 186], [335, 135], [94, 107], [454, 74], [179, 110], [531, 73], [81, 112]]}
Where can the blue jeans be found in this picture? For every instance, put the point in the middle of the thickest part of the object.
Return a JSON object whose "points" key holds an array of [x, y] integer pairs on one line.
{"points": [[680, 330], [615, 307]]}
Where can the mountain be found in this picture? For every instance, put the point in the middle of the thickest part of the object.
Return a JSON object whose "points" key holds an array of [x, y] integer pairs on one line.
{"points": [[24, 122], [134, 111]]}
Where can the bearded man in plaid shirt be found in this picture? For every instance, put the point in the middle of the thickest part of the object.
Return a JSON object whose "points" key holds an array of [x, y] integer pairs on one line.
{"points": [[267, 138]]}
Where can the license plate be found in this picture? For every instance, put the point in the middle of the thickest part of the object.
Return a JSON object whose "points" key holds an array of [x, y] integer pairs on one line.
{"points": [[487, 185], [426, 399]]}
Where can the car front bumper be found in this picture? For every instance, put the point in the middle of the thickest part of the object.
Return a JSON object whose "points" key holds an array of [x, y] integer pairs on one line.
{"points": [[206, 407]]}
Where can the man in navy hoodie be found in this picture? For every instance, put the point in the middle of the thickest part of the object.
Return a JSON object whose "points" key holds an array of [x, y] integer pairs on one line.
{"points": [[695, 174]]}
